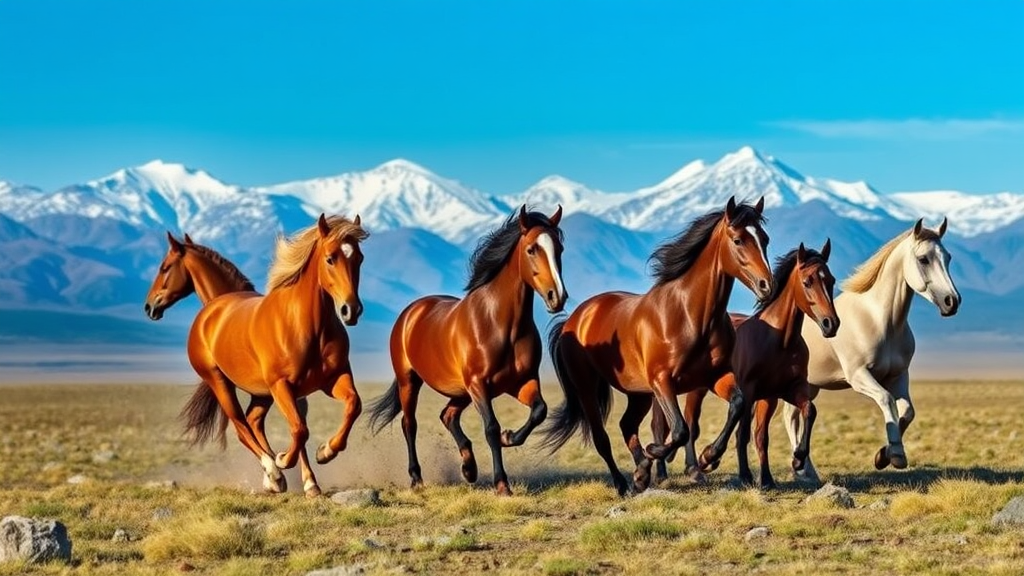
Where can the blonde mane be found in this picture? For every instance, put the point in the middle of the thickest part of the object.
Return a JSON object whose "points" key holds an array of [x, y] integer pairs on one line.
{"points": [[291, 254], [865, 276]]}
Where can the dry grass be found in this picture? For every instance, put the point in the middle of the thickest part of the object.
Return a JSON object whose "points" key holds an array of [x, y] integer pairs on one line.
{"points": [[966, 450]]}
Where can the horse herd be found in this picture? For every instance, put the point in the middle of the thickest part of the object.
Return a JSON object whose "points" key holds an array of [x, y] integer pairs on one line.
{"points": [[677, 338]]}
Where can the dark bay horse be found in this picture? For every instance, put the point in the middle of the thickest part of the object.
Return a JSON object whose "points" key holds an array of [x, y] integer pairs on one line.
{"points": [[675, 338], [286, 344], [189, 268], [484, 345], [770, 358]]}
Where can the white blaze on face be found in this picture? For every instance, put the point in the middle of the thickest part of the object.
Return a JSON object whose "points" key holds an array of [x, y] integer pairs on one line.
{"points": [[757, 240], [347, 249], [546, 244]]}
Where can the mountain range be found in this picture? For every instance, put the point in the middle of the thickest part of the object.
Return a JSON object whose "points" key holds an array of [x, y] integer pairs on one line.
{"points": [[92, 248]]}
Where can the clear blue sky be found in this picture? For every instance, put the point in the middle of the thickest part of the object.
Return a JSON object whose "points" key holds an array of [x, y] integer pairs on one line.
{"points": [[907, 95]]}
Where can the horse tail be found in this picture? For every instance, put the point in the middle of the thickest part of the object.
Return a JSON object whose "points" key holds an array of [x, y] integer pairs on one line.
{"points": [[570, 416], [203, 417], [384, 409]]}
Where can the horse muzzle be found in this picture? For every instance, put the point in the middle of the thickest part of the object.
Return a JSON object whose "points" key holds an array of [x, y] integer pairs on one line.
{"points": [[555, 301], [949, 305], [350, 312], [829, 326], [154, 311]]}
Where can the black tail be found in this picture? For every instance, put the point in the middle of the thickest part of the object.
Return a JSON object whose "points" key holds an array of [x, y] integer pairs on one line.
{"points": [[384, 409], [203, 417], [570, 416]]}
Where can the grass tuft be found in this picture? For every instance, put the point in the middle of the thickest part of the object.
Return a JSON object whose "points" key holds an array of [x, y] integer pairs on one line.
{"points": [[608, 533]]}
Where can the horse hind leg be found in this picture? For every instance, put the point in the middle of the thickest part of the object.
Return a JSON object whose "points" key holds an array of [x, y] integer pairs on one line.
{"points": [[408, 396], [492, 431], [763, 411], [451, 416]]}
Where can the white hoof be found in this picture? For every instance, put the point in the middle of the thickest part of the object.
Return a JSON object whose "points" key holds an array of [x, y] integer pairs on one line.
{"points": [[280, 460], [273, 486]]}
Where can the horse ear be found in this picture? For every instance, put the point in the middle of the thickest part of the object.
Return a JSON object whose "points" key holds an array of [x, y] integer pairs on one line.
{"points": [[918, 227], [325, 228], [826, 250], [556, 217], [175, 244], [188, 240], [523, 228], [730, 208], [760, 205], [801, 253], [358, 221], [942, 227]]}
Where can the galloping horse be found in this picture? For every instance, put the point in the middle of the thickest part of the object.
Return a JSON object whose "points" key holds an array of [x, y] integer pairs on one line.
{"points": [[482, 346], [872, 353], [769, 361], [673, 339], [186, 268], [286, 344]]}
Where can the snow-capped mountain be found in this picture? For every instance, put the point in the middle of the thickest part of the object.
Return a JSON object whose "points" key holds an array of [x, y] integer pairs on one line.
{"points": [[571, 196], [969, 214], [400, 194]]}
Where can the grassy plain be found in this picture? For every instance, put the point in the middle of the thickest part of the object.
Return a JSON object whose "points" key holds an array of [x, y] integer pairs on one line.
{"points": [[966, 450]]}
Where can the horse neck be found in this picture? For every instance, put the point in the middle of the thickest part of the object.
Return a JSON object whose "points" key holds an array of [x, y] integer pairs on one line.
{"points": [[514, 308], [783, 314], [302, 303], [209, 279], [890, 293], [708, 275]]}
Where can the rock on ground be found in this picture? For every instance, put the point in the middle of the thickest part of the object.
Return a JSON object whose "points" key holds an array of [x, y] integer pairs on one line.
{"points": [[835, 494], [756, 533], [615, 511], [120, 535], [1011, 514], [103, 457], [880, 504], [162, 513], [33, 540], [357, 498], [78, 479]]}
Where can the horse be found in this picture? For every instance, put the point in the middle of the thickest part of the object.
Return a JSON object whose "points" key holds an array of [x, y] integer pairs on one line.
{"points": [[285, 345], [474, 349], [189, 268], [769, 361], [674, 338], [873, 352]]}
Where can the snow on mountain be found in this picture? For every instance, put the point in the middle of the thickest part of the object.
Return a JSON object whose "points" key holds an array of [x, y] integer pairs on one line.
{"points": [[400, 194], [969, 214], [574, 197]]}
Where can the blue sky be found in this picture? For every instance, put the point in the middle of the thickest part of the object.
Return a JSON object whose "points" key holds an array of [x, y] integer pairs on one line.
{"points": [[907, 95]]}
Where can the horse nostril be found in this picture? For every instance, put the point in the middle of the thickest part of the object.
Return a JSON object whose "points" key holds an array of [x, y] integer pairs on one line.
{"points": [[948, 300], [763, 285], [147, 307], [344, 311], [826, 323], [551, 295]]}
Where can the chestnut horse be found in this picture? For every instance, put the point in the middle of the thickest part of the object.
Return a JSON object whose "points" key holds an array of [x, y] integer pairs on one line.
{"points": [[675, 338], [193, 268], [288, 343], [482, 346], [873, 352], [769, 360]]}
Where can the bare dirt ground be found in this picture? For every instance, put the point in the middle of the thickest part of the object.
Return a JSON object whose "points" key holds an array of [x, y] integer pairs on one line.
{"points": [[966, 451]]}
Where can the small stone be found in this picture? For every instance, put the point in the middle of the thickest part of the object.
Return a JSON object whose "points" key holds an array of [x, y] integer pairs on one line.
{"points": [[880, 504], [961, 540], [78, 479], [162, 513], [160, 484], [357, 498], [615, 512], [756, 533], [372, 544], [1011, 514], [120, 536], [655, 493], [835, 494], [33, 540], [103, 457], [352, 570]]}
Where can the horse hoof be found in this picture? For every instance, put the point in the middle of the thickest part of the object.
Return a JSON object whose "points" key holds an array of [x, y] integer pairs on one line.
{"points": [[313, 492], [324, 454], [502, 489], [469, 471], [899, 461], [281, 461], [278, 486], [416, 483], [655, 451], [506, 439], [697, 475], [746, 480], [881, 458], [768, 484], [641, 479]]}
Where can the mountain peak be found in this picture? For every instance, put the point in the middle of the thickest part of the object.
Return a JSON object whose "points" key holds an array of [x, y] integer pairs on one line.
{"points": [[402, 165], [747, 154]]}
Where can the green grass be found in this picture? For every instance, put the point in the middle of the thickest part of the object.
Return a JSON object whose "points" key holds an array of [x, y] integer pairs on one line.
{"points": [[965, 450]]}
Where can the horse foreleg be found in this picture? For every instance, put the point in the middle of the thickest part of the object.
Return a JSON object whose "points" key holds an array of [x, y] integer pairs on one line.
{"points": [[636, 408], [451, 416], [344, 391], [679, 434], [743, 442], [763, 411], [528, 395], [492, 431], [284, 396], [727, 389], [862, 381], [904, 406], [694, 402], [800, 398], [791, 418], [256, 415]]}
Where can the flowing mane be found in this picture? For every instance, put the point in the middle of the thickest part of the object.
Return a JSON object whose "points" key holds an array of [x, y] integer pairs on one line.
{"points": [[494, 249], [291, 254], [242, 282], [865, 276], [784, 266], [673, 258]]}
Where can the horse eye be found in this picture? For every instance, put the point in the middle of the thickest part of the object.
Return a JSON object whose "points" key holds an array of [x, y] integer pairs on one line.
{"points": [[923, 260], [737, 241], [531, 250], [808, 282], [330, 261]]}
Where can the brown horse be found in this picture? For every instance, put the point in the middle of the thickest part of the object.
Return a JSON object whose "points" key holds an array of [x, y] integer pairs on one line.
{"points": [[189, 268], [286, 344], [482, 346], [769, 360], [675, 338]]}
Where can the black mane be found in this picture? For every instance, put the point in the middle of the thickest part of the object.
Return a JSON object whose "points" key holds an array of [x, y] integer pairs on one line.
{"points": [[784, 266], [494, 249], [673, 258]]}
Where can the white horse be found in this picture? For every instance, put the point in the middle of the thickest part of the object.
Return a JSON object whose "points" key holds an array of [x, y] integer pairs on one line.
{"points": [[871, 353]]}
